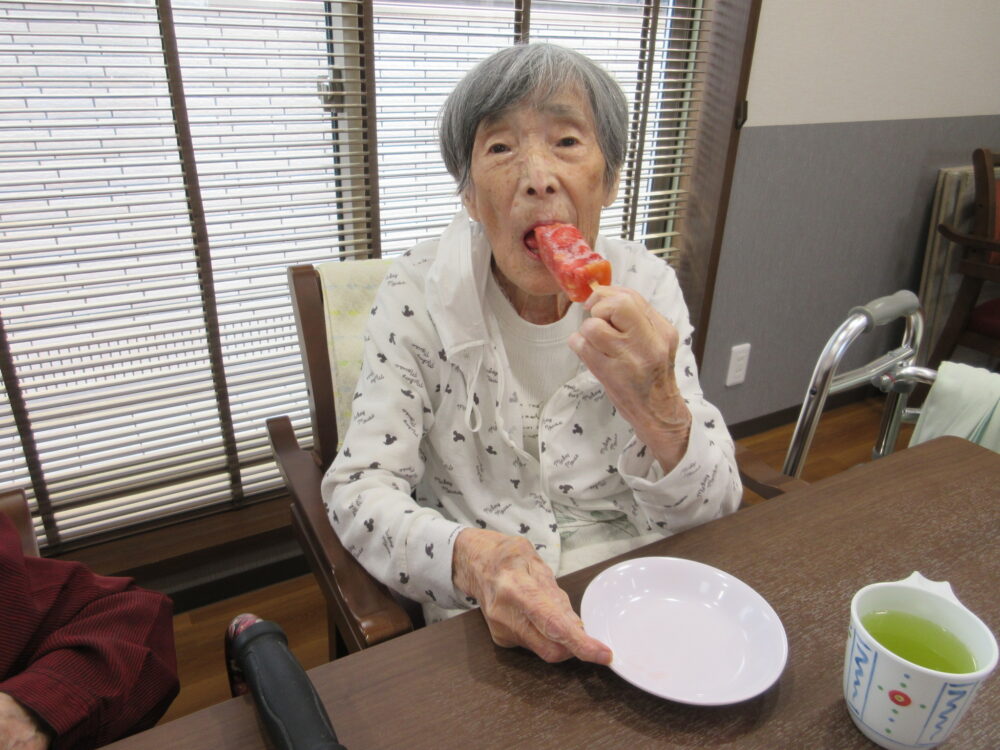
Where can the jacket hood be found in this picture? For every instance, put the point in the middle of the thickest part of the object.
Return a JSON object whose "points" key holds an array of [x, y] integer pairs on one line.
{"points": [[454, 304]]}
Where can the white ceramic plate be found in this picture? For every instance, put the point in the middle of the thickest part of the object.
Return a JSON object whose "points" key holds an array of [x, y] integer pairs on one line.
{"points": [[685, 631]]}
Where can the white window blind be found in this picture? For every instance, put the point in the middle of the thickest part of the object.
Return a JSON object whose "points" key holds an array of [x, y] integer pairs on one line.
{"points": [[149, 216], [101, 303], [650, 49], [164, 162], [423, 49]]}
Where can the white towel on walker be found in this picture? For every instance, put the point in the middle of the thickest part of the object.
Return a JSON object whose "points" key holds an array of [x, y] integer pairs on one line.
{"points": [[348, 292], [964, 401]]}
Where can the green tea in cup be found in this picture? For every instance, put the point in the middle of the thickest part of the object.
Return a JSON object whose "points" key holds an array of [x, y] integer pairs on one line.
{"points": [[915, 658], [919, 641]]}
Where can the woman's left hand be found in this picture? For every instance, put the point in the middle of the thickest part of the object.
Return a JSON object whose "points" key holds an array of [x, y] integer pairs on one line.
{"points": [[630, 348], [519, 597]]}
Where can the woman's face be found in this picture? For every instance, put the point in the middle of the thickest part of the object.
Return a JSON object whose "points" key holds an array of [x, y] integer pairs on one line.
{"points": [[537, 163]]}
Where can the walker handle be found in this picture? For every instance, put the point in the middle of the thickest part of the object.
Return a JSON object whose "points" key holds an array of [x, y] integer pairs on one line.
{"points": [[886, 309]]}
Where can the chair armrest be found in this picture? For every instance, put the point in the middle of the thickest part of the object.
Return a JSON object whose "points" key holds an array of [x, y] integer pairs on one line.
{"points": [[762, 478], [365, 611], [14, 505], [980, 270], [991, 248]]}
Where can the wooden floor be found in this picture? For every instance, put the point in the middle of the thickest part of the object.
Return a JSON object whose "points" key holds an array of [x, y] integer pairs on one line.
{"points": [[843, 439]]}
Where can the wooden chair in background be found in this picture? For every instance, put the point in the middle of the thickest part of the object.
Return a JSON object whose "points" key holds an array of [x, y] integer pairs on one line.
{"points": [[972, 323], [14, 504], [362, 612]]}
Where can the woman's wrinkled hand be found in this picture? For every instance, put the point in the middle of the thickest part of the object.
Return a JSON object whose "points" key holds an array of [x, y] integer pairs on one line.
{"points": [[519, 597], [630, 348], [18, 728]]}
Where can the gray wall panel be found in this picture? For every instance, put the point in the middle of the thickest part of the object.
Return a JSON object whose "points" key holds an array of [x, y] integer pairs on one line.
{"points": [[821, 218]]}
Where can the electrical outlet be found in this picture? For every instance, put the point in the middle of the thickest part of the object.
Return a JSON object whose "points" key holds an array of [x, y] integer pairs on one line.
{"points": [[739, 358]]}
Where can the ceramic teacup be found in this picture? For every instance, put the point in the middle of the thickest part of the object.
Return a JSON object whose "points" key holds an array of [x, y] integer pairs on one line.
{"points": [[895, 702]]}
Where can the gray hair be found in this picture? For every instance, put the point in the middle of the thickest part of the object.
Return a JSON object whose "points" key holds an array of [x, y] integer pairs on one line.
{"points": [[527, 72]]}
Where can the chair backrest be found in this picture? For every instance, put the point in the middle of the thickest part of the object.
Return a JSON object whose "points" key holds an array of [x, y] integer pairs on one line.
{"points": [[14, 504], [986, 222], [331, 302]]}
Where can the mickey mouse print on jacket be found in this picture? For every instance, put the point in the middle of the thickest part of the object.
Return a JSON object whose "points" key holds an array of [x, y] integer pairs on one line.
{"points": [[435, 440]]}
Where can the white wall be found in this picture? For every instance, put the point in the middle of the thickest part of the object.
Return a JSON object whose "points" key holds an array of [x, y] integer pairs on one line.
{"points": [[854, 106], [860, 60]]}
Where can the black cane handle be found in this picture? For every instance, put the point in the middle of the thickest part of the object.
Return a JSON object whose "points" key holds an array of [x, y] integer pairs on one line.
{"points": [[289, 706]]}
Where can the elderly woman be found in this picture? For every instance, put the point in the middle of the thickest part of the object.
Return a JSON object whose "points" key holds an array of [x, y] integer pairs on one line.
{"points": [[501, 434]]}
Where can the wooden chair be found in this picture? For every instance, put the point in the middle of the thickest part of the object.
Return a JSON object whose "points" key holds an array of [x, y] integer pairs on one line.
{"points": [[971, 323], [14, 504], [763, 479], [362, 612]]}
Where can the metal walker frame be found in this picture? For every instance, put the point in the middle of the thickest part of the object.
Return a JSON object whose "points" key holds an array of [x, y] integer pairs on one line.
{"points": [[894, 373]]}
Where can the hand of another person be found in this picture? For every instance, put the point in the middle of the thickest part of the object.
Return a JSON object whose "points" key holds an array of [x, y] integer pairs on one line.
{"points": [[519, 597], [19, 730], [630, 348]]}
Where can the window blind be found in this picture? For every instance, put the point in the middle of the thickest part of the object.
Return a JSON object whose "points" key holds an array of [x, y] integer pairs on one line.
{"points": [[650, 48], [164, 161], [101, 301], [423, 49]]}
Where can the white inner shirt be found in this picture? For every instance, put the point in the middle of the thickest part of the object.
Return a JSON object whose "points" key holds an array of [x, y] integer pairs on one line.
{"points": [[541, 362]]}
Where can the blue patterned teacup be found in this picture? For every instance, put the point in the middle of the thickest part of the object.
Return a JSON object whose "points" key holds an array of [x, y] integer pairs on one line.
{"points": [[899, 704]]}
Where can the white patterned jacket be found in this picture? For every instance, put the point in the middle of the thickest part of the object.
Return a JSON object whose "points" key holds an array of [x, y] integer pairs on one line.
{"points": [[434, 444]]}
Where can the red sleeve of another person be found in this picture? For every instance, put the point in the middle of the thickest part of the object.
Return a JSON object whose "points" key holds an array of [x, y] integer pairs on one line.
{"points": [[93, 656]]}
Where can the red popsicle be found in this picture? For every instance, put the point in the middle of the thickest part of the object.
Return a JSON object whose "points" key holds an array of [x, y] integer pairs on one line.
{"points": [[570, 260]]}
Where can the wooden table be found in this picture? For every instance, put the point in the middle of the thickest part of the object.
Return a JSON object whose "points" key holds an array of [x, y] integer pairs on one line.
{"points": [[934, 508]]}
